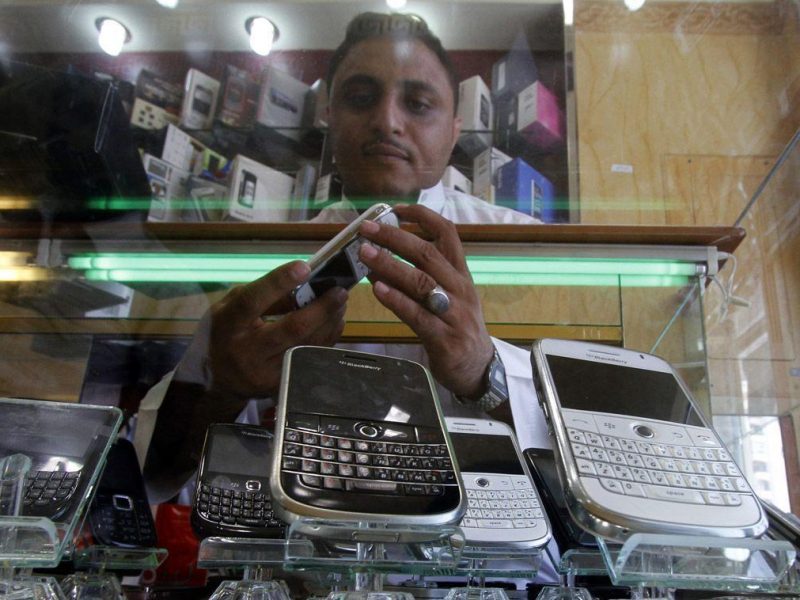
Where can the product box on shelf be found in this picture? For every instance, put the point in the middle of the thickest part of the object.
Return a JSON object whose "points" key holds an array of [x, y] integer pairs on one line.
{"points": [[456, 180], [305, 182], [237, 105], [258, 193], [523, 188], [316, 106], [147, 115], [515, 71], [168, 185], [484, 173], [207, 200], [182, 150], [476, 113], [156, 90], [539, 119], [281, 102], [200, 94]]}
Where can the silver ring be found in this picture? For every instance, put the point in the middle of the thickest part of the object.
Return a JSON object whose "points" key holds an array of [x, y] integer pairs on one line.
{"points": [[437, 301]]}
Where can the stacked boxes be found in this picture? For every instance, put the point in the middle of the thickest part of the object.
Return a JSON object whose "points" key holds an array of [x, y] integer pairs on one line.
{"points": [[523, 188], [476, 113], [257, 192]]}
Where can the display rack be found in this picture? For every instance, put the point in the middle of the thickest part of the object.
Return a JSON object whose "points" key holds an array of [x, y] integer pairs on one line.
{"points": [[85, 434], [93, 578]]}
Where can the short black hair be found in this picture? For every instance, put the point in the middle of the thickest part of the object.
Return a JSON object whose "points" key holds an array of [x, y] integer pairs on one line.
{"points": [[369, 25]]}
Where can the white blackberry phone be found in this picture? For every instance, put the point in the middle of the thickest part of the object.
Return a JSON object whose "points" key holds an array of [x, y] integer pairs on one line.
{"points": [[634, 453], [503, 506], [361, 437], [336, 264]]}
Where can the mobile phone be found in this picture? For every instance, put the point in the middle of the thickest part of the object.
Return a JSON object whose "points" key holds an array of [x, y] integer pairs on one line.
{"points": [[503, 506], [361, 437], [202, 100], [247, 189], [119, 514], [232, 490], [567, 533], [633, 451], [336, 264]]}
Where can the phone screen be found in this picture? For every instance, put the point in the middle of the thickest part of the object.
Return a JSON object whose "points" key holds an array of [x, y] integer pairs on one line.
{"points": [[628, 391], [337, 272], [478, 453], [239, 454], [361, 387]]}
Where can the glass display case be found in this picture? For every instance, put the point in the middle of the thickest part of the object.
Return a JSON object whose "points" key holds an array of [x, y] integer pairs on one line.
{"points": [[649, 152]]}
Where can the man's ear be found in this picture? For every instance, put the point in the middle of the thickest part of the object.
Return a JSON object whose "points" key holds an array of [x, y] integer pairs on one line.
{"points": [[456, 131]]}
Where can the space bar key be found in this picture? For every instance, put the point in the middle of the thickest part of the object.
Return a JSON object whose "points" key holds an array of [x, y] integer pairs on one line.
{"points": [[659, 492], [379, 487]]}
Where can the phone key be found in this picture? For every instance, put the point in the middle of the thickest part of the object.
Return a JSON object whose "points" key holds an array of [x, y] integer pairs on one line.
{"points": [[674, 494], [593, 439], [732, 469], [311, 480], [344, 444], [723, 455], [611, 442], [711, 483], [495, 523], [328, 468], [332, 483], [575, 435], [701, 467], [580, 451], [694, 481], [676, 479], [612, 485], [645, 448], [741, 484], [623, 472], [633, 489], [726, 484], [468, 522], [616, 457], [633, 460], [732, 499], [685, 466], [327, 441], [604, 469], [714, 498], [598, 454], [677, 451], [292, 436], [310, 466], [346, 457], [651, 462]]}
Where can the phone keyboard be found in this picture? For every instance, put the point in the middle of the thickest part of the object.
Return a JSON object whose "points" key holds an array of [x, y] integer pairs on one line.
{"points": [[122, 520], [672, 472], [354, 464], [48, 488], [501, 502], [243, 508]]}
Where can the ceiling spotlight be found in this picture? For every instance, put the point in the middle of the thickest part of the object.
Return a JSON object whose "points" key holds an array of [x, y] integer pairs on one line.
{"points": [[263, 33], [633, 5], [168, 3], [396, 4], [113, 35]]}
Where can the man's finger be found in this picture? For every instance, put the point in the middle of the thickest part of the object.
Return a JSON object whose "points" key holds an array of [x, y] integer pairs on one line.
{"points": [[250, 301], [441, 230]]}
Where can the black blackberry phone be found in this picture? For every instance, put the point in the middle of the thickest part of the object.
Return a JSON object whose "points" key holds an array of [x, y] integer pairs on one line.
{"points": [[361, 437], [232, 494], [119, 514]]}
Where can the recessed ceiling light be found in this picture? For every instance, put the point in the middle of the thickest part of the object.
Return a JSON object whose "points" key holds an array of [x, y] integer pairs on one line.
{"points": [[112, 36], [263, 34]]}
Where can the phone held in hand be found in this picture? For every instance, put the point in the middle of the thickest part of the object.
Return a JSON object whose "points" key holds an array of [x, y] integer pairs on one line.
{"points": [[361, 437], [336, 264], [634, 452], [232, 490]]}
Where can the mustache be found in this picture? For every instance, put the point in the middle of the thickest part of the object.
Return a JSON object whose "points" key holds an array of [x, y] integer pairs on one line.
{"points": [[378, 146]]}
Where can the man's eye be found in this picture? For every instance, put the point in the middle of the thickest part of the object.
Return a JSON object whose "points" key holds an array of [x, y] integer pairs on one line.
{"points": [[418, 106], [360, 99]]}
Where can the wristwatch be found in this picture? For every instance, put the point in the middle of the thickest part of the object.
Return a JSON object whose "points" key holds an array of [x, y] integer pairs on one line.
{"points": [[496, 387]]}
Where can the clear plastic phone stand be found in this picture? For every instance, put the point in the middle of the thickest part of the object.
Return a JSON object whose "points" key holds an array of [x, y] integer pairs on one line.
{"points": [[38, 542], [257, 556], [366, 552], [95, 582], [698, 562]]}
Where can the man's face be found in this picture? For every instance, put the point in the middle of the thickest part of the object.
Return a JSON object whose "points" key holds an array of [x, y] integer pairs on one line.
{"points": [[391, 118]]}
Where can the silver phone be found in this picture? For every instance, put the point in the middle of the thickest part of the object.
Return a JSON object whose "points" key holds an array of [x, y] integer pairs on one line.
{"points": [[336, 264], [634, 452], [361, 437], [503, 506]]}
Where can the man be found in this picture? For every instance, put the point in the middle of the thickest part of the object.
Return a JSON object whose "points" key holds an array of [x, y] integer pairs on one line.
{"points": [[393, 125]]}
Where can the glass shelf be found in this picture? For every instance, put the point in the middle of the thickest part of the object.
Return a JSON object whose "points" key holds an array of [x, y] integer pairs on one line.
{"points": [[698, 562]]}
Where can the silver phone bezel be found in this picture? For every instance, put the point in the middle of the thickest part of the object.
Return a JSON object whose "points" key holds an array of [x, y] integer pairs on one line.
{"points": [[290, 510], [537, 542], [602, 520], [303, 294]]}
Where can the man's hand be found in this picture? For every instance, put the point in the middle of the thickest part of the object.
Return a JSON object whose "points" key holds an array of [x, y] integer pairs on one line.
{"points": [[458, 345], [238, 349]]}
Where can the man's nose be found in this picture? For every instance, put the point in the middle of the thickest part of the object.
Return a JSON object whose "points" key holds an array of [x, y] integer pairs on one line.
{"points": [[388, 117]]}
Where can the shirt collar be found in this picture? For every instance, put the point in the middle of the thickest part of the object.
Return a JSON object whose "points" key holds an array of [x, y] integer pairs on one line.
{"points": [[433, 198]]}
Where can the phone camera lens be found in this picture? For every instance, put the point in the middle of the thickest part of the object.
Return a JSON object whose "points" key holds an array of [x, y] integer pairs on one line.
{"points": [[641, 356]]}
